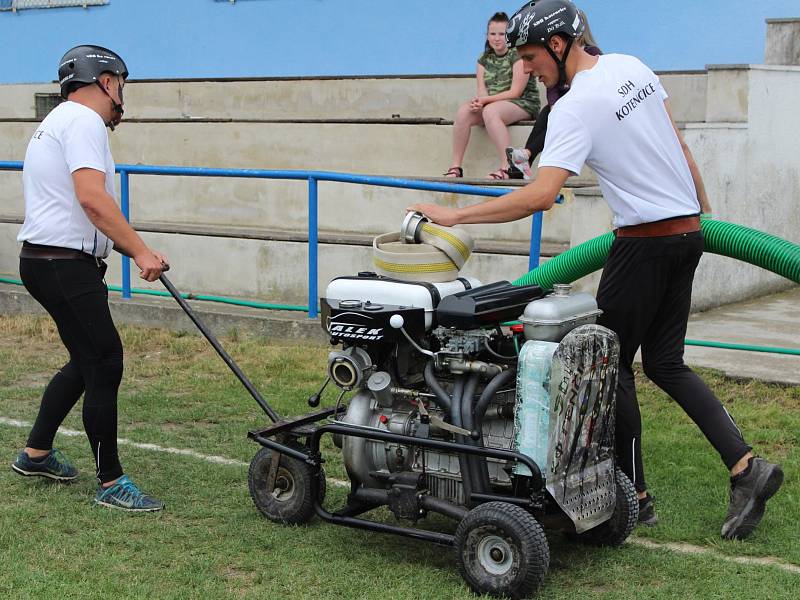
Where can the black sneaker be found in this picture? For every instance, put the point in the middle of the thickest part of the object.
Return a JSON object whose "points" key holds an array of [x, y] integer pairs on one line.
{"points": [[647, 511], [53, 466], [750, 491]]}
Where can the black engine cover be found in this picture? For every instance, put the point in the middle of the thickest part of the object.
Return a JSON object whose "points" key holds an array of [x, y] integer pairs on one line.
{"points": [[487, 305], [365, 323]]}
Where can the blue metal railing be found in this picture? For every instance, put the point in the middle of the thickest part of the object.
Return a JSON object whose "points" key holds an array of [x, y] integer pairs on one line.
{"points": [[313, 178]]}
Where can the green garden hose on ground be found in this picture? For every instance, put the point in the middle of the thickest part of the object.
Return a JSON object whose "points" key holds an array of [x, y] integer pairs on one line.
{"points": [[727, 239]]}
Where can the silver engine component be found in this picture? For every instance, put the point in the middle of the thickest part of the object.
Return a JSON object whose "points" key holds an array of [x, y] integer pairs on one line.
{"points": [[551, 318], [363, 457], [457, 384], [348, 367]]}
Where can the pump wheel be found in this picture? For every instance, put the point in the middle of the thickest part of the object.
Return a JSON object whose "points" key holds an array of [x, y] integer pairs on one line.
{"points": [[626, 513], [501, 550], [290, 502]]}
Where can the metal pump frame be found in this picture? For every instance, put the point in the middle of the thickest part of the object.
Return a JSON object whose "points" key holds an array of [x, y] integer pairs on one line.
{"points": [[304, 426]]}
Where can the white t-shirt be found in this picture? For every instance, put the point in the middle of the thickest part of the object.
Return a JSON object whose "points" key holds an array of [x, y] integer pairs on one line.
{"points": [[71, 137], [613, 119]]}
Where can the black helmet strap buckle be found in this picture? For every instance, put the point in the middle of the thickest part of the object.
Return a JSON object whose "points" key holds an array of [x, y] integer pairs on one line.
{"points": [[114, 104], [561, 63]]}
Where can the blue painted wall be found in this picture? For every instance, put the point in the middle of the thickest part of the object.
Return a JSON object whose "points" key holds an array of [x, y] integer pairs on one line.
{"points": [[263, 38]]}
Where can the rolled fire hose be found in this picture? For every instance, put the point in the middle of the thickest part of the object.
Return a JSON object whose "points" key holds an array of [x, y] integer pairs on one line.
{"points": [[422, 251]]}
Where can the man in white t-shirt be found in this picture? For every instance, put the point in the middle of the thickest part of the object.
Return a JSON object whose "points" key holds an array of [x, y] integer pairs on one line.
{"points": [[71, 224], [615, 119]]}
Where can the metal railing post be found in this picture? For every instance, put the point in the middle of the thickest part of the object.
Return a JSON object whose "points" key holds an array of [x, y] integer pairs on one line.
{"points": [[536, 241], [313, 242], [125, 207]]}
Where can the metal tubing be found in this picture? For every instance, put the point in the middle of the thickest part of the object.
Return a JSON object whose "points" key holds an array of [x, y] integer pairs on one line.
{"points": [[440, 396], [480, 470], [486, 396], [387, 436], [124, 202], [313, 177], [536, 241], [220, 350], [465, 463], [373, 496], [466, 403], [412, 184], [378, 497], [283, 449], [419, 534], [525, 502], [429, 536], [313, 247], [444, 507]]}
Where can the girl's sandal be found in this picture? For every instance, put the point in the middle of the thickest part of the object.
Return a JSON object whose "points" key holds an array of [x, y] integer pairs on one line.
{"points": [[454, 172]]}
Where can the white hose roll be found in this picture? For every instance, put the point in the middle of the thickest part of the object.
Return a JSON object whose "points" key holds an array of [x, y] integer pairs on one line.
{"points": [[411, 262], [456, 243]]}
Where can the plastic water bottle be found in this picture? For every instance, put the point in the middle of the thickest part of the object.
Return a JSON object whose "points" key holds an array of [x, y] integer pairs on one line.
{"points": [[532, 416]]}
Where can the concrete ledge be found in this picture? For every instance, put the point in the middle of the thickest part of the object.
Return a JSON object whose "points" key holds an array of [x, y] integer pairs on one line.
{"points": [[768, 321]]}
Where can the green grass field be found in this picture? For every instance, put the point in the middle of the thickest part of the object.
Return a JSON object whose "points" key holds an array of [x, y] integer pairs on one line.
{"points": [[212, 543]]}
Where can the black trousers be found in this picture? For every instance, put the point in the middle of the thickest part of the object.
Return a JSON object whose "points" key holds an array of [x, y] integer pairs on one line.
{"points": [[75, 296], [645, 293], [535, 143]]}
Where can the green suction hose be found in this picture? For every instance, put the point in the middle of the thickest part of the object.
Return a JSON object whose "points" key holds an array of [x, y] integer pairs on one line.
{"points": [[727, 239]]}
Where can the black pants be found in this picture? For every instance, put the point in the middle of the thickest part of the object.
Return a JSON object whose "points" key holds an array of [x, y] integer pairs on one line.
{"points": [[74, 294], [645, 294], [535, 143]]}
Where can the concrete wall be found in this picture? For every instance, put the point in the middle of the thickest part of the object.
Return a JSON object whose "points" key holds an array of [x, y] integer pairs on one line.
{"points": [[319, 99], [783, 42], [282, 205], [740, 121]]}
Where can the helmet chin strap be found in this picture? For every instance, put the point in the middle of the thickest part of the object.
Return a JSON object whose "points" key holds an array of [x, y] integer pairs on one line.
{"points": [[561, 63], [118, 109]]}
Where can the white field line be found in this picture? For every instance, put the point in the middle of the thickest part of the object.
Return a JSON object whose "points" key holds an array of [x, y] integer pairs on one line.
{"points": [[682, 548], [679, 548], [218, 460]]}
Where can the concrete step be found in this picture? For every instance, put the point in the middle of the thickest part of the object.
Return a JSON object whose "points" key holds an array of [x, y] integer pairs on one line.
{"points": [[327, 98], [392, 150], [271, 270]]}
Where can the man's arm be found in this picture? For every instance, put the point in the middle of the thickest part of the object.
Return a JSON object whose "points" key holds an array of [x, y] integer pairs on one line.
{"points": [[104, 213], [700, 188], [538, 195]]}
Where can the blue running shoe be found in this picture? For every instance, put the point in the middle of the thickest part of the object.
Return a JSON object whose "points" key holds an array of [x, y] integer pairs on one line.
{"points": [[124, 495], [54, 466]]}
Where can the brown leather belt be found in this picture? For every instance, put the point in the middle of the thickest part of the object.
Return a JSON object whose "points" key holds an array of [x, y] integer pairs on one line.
{"points": [[55, 253], [661, 228]]}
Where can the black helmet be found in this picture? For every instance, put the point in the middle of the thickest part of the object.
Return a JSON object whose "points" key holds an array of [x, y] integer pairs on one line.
{"points": [[538, 21], [84, 64]]}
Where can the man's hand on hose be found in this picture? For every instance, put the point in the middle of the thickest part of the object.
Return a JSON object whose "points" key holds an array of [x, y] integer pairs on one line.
{"points": [[151, 264], [441, 215]]}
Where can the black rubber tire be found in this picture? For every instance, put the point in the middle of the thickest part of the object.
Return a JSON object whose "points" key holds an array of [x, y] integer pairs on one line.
{"points": [[293, 505], [622, 522], [522, 556]]}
